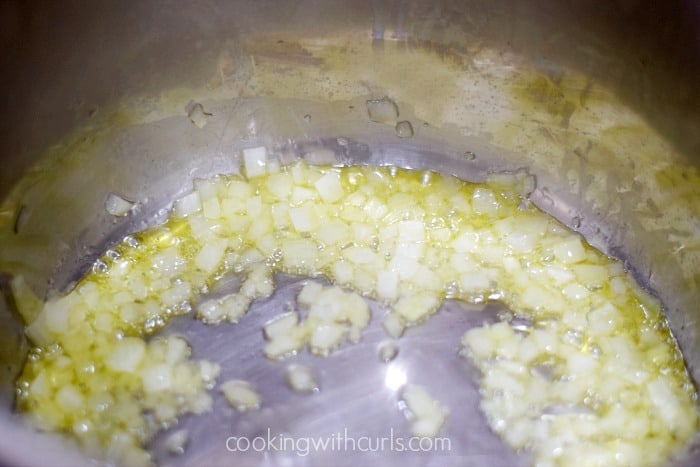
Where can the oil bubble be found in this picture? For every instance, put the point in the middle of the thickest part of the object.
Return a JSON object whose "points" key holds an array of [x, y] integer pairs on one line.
{"points": [[382, 110], [404, 129]]}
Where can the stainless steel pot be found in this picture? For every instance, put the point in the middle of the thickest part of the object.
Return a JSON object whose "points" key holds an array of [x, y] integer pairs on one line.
{"points": [[598, 100]]}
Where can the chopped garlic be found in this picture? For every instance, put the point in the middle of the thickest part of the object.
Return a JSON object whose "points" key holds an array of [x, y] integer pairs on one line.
{"points": [[301, 378], [332, 315], [283, 346], [127, 355], [415, 308], [393, 325], [211, 312], [282, 325], [240, 395], [118, 206], [325, 337], [177, 441], [427, 414]]}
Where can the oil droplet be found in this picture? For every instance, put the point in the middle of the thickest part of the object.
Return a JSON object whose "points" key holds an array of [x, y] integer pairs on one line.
{"points": [[521, 324], [451, 290], [382, 110], [131, 241], [277, 255], [387, 350], [404, 129], [469, 155], [112, 254], [573, 336], [99, 266]]}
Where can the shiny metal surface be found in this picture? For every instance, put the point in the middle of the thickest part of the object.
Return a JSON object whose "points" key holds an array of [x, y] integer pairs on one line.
{"points": [[359, 396], [599, 101]]}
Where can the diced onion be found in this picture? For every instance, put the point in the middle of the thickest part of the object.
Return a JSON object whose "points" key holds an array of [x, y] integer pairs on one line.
{"points": [[329, 187], [255, 161], [188, 204], [584, 371]]}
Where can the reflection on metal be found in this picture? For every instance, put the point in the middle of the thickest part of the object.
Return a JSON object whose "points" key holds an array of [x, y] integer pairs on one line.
{"points": [[395, 377]]}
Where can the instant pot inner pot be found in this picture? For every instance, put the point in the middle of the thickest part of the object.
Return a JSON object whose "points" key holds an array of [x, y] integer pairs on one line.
{"points": [[358, 390], [602, 117]]}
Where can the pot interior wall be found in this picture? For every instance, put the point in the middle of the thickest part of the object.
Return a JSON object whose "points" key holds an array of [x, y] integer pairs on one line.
{"points": [[600, 102]]}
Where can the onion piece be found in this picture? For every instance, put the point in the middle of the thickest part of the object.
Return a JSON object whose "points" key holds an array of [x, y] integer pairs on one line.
{"points": [[427, 414], [255, 161], [117, 205], [240, 395], [177, 441], [301, 378]]}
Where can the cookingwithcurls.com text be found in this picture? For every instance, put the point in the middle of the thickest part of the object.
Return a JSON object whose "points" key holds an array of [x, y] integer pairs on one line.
{"points": [[341, 441]]}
